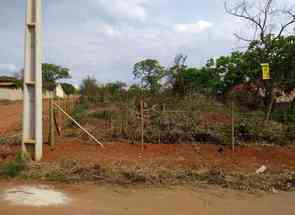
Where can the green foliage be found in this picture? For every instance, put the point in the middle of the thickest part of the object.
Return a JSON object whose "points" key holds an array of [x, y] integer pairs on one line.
{"points": [[113, 91], [56, 176], [3, 141], [232, 71], [254, 129], [89, 89], [79, 112], [115, 88], [13, 168], [95, 93], [211, 79], [284, 115], [52, 73], [16, 140], [18, 83], [69, 88], [280, 54], [150, 72], [134, 91], [240, 68]]}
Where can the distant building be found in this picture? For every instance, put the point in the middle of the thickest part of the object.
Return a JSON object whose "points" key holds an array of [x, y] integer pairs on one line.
{"points": [[10, 91], [59, 91]]}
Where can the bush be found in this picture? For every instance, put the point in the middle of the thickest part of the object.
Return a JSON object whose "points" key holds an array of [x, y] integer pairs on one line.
{"points": [[15, 140], [79, 112], [3, 141], [255, 129], [13, 168]]}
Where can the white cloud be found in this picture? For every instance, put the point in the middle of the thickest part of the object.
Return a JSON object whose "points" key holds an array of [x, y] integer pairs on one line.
{"points": [[197, 27], [109, 30], [122, 9], [8, 68], [104, 38]]}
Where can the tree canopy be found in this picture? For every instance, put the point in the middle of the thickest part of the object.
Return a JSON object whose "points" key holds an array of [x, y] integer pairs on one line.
{"points": [[69, 88], [150, 72], [52, 73]]}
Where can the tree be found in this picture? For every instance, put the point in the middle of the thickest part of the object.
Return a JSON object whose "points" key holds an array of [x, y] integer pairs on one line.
{"points": [[270, 22], [52, 73], [232, 70], [185, 80], [69, 88], [89, 89], [115, 88], [176, 75], [281, 59], [266, 17], [150, 72]]}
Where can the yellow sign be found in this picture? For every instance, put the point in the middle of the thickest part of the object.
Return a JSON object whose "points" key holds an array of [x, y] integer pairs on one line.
{"points": [[265, 71]]}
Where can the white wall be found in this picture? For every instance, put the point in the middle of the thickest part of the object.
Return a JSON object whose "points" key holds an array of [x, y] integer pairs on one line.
{"points": [[11, 94], [17, 94]]}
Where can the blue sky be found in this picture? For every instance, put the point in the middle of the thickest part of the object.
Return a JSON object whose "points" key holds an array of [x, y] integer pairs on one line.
{"points": [[105, 38]]}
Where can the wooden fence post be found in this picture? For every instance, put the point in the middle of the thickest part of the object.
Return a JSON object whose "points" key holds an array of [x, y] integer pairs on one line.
{"points": [[111, 124], [51, 138], [126, 122], [142, 123], [233, 126]]}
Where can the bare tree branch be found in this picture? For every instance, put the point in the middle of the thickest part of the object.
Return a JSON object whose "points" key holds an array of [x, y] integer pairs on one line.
{"points": [[243, 14], [261, 19], [242, 38], [266, 13], [290, 22]]}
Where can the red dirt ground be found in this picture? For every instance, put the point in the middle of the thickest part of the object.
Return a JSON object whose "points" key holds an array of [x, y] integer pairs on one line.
{"points": [[10, 118], [245, 159]]}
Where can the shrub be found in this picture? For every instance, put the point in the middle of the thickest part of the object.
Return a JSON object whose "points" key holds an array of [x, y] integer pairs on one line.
{"points": [[79, 112], [13, 168], [3, 141], [255, 129]]}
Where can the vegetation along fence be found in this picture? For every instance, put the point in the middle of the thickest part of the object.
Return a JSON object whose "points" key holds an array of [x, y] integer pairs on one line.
{"points": [[160, 124]]}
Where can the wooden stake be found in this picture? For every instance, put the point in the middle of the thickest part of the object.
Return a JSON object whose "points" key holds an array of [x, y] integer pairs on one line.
{"points": [[51, 138], [233, 126], [111, 125], [56, 122], [159, 137], [126, 125], [80, 126], [142, 123]]}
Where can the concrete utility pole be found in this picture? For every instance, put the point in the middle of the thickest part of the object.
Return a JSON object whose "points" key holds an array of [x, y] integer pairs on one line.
{"points": [[32, 102]]}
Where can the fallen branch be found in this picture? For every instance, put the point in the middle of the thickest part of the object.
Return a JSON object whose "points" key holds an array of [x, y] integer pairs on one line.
{"points": [[83, 129]]}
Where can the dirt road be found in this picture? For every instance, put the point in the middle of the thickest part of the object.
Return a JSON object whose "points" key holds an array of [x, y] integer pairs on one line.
{"points": [[92, 200]]}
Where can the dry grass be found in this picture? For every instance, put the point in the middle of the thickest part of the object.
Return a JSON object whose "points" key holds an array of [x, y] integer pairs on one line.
{"points": [[151, 173]]}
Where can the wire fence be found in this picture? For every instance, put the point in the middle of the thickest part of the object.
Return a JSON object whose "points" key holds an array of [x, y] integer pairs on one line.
{"points": [[164, 126], [162, 123]]}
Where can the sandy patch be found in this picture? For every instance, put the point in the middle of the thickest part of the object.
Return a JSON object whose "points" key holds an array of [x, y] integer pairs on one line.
{"points": [[35, 196]]}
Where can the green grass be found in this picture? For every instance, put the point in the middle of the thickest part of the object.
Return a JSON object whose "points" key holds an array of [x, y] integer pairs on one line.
{"points": [[56, 176], [79, 112], [13, 168]]}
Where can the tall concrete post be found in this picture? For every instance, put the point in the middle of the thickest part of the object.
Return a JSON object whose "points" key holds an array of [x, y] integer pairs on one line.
{"points": [[32, 102]]}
